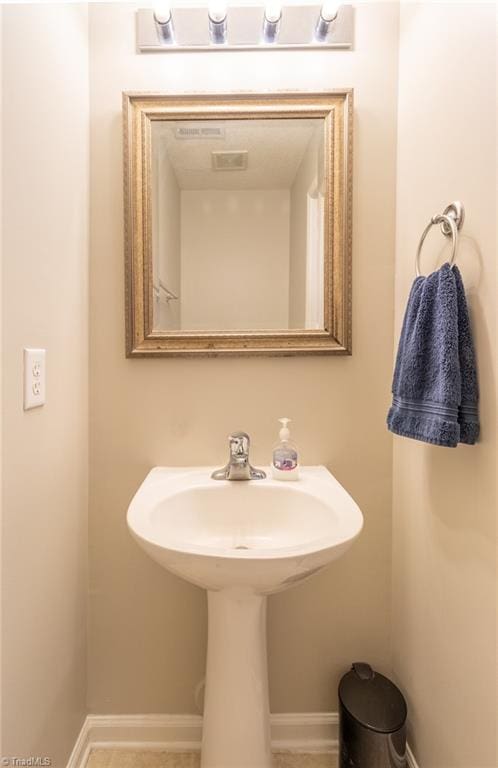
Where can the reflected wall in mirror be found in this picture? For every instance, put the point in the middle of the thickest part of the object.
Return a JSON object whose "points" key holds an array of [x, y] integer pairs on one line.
{"points": [[239, 223]]}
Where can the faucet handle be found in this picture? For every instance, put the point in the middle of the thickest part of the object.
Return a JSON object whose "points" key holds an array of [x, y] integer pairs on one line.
{"points": [[239, 443], [238, 467]]}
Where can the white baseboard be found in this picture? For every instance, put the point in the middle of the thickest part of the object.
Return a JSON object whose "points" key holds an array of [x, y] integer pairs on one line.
{"points": [[307, 732], [302, 732], [410, 759], [82, 748]]}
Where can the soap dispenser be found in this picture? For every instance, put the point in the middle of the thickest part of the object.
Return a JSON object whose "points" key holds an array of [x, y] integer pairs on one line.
{"points": [[284, 463]]}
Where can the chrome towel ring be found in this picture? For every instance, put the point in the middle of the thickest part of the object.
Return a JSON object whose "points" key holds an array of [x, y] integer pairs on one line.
{"points": [[451, 221]]}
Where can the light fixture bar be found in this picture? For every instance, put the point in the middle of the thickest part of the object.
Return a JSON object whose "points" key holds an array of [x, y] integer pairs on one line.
{"points": [[269, 25]]}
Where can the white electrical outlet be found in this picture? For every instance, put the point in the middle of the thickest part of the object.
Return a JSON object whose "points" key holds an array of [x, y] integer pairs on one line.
{"points": [[34, 378]]}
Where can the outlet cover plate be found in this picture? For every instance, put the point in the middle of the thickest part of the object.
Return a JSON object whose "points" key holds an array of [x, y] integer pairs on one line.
{"points": [[34, 378]]}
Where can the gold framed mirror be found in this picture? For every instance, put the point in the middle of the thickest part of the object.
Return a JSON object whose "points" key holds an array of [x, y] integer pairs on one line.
{"points": [[238, 223]]}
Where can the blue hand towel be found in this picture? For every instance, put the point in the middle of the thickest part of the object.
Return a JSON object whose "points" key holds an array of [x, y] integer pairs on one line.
{"points": [[435, 392]]}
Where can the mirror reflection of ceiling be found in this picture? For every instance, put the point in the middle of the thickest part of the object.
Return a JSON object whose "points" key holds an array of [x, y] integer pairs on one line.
{"points": [[271, 150]]}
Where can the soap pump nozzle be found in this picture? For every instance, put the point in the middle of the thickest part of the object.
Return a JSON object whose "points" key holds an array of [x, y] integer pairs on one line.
{"points": [[284, 433]]}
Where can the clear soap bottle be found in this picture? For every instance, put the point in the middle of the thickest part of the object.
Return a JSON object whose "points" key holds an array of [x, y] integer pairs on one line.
{"points": [[285, 464]]}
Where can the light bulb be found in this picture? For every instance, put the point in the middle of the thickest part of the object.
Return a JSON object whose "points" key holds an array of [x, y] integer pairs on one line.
{"points": [[162, 13], [328, 14], [273, 11], [217, 11], [329, 10], [217, 22], [164, 22]]}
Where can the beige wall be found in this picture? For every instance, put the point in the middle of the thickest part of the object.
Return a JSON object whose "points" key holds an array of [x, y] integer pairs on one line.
{"points": [[45, 296], [444, 506], [147, 628], [235, 259]]}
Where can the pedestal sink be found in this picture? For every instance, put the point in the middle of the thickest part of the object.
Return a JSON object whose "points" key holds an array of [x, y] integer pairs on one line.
{"points": [[241, 541]]}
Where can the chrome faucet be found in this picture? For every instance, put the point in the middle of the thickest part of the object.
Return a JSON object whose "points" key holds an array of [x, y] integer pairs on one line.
{"points": [[238, 467]]}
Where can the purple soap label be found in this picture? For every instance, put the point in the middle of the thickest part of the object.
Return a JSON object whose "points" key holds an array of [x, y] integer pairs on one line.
{"points": [[285, 460]]}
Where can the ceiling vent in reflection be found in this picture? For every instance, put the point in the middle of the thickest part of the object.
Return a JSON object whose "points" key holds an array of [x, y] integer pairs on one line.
{"points": [[199, 131], [230, 160]]}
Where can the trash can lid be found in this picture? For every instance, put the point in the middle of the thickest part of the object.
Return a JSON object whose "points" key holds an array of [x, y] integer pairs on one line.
{"points": [[372, 699]]}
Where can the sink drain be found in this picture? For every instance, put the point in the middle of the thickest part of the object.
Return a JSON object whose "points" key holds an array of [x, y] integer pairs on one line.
{"points": [[241, 546]]}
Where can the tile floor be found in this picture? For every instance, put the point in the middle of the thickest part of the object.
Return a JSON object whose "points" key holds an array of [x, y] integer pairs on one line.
{"points": [[128, 758]]}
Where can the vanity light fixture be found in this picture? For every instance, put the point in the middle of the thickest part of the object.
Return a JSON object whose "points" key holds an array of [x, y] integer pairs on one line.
{"points": [[164, 22], [217, 22], [271, 21], [328, 14], [169, 26]]}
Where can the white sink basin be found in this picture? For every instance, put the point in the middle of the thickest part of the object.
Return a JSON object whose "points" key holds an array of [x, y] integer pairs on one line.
{"points": [[262, 534], [241, 540]]}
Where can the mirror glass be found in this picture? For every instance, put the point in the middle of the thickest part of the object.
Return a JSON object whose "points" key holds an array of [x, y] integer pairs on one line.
{"points": [[237, 224]]}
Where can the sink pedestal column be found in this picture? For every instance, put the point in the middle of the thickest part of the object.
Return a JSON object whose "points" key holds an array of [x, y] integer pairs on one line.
{"points": [[236, 731]]}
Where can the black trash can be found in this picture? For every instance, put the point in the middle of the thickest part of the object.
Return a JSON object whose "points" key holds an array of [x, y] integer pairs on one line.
{"points": [[372, 720]]}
